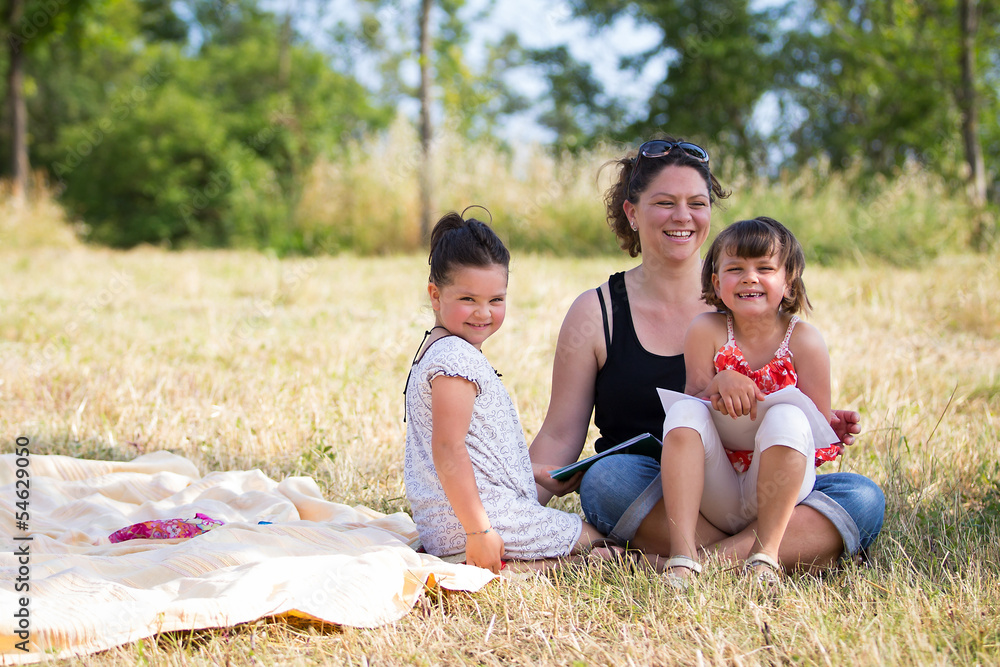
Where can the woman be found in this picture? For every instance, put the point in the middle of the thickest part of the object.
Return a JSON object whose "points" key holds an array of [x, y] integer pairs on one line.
{"points": [[621, 341]]}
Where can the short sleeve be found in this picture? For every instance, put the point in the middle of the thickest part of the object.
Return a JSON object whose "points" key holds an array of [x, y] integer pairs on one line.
{"points": [[454, 357]]}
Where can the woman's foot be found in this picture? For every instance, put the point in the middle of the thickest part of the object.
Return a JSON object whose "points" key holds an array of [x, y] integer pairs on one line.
{"points": [[605, 550]]}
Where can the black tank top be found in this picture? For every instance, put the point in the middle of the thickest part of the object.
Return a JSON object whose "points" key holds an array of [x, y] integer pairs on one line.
{"points": [[625, 400]]}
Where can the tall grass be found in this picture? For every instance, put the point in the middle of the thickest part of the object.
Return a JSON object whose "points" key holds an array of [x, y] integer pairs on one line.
{"points": [[296, 366], [37, 221], [841, 215], [368, 201]]}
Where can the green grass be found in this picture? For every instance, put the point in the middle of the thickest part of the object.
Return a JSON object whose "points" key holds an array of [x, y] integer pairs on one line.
{"points": [[240, 360]]}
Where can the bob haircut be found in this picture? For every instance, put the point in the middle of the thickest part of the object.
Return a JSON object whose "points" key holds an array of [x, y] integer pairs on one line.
{"points": [[758, 237]]}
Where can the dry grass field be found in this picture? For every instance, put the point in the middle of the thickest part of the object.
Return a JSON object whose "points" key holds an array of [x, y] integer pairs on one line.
{"points": [[239, 360]]}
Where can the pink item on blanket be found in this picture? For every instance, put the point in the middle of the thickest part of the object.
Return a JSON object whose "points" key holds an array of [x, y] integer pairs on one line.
{"points": [[165, 529]]}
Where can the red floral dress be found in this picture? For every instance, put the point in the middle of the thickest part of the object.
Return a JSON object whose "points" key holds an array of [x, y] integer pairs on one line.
{"points": [[774, 375]]}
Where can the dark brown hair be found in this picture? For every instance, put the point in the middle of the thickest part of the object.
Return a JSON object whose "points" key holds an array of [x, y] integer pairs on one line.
{"points": [[758, 238], [647, 169], [457, 242]]}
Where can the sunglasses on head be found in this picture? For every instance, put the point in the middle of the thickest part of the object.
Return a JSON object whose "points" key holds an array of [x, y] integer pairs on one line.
{"points": [[660, 148]]}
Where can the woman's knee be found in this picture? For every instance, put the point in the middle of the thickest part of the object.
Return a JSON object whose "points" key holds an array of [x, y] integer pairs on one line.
{"points": [[860, 497], [611, 485], [868, 495]]}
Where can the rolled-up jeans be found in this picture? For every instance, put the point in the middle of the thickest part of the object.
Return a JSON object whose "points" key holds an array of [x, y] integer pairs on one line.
{"points": [[619, 491]]}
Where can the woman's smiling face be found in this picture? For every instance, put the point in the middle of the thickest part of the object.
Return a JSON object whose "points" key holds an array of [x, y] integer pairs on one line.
{"points": [[674, 213]]}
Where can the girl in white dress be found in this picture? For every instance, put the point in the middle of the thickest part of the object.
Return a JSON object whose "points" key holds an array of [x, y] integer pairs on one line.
{"points": [[467, 472]]}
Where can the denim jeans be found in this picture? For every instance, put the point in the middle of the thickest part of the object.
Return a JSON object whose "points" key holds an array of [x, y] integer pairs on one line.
{"points": [[619, 490]]}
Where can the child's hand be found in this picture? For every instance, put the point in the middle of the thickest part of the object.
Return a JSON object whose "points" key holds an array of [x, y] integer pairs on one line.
{"points": [[485, 550], [735, 394]]}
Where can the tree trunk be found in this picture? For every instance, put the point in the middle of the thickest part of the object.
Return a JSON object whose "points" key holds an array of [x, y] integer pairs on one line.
{"points": [[426, 180], [18, 110], [285, 53], [968, 101]]}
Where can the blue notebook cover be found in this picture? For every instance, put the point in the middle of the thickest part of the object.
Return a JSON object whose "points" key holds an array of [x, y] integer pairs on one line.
{"points": [[645, 444]]}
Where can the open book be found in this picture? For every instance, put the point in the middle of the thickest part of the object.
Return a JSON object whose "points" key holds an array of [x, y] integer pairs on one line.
{"points": [[738, 434], [644, 444]]}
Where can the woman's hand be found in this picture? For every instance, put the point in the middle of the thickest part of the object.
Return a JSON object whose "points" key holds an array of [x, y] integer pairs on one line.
{"points": [[846, 424], [540, 471], [734, 394], [485, 550]]}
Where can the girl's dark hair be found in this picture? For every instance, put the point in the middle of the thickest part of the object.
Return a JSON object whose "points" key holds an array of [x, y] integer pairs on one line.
{"points": [[457, 242], [646, 169], [758, 238]]}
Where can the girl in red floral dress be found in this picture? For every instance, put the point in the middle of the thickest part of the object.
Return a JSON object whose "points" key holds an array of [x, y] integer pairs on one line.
{"points": [[754, 346]]}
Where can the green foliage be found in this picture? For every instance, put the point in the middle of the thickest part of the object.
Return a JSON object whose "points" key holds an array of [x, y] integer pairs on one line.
{"points": [[153, 141], [202, 122], [42, 21], [168, 174], [721, 60], [576, 107], [287, 118], [871, 86], [160, 23], [854, 82]]}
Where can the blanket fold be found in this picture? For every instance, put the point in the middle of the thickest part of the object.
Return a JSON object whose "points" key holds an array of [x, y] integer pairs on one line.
{"points": [[318, 559]]}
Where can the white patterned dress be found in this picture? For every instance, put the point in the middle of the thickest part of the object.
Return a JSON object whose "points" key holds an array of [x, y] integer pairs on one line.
{"points": [[499, 458]]}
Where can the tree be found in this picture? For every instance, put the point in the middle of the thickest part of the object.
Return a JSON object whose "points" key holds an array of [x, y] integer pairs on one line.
{"points": [[575, 106], [878, 84], [426, 178], [29, 25], [158, 139], [968, 100], [721, 60], [18, 111], [446, 87]]}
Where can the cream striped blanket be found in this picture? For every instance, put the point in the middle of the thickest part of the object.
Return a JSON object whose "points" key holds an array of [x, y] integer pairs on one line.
{"points": [[317, 559]]}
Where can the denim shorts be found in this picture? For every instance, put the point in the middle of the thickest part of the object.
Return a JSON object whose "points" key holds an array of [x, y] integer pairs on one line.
{"points": [[618, 492]]}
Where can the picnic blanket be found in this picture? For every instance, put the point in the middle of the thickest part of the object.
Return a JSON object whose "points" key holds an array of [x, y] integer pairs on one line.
{"points": [[316, 559]]}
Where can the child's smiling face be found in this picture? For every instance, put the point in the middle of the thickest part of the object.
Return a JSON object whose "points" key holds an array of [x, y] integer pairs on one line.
{"points": [[473, 305], [750, 285]]}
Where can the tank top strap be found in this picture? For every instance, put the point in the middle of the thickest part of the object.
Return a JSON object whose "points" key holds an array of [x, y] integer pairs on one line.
{"points": [[621, 311], [788, 334], [730, 337], [604, 318]]}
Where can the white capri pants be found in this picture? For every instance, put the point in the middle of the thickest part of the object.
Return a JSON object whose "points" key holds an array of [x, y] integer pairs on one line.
{"points": [[729, 498]]}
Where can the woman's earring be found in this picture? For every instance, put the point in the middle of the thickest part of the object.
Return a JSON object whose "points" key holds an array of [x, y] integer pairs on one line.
{"points": [[634, 228]]}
